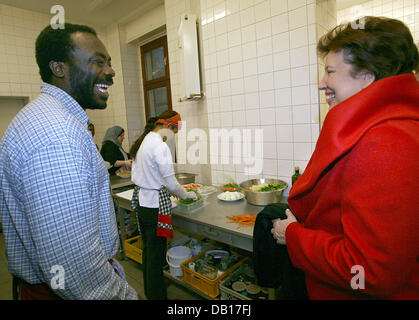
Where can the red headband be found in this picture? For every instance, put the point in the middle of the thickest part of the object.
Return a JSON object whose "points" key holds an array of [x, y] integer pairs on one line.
{"points": [[173, 121]]}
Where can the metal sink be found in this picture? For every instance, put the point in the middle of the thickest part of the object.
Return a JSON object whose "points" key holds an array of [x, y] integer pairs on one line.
{"points": [[185, 177]]}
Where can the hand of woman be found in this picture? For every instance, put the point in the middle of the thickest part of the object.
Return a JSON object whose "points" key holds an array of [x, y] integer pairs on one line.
{"points": [[192, 195], [129, 163], [280, 227]]}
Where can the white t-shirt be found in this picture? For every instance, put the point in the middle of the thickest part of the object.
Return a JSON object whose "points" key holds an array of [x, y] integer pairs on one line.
{"points": [[153, 163]]}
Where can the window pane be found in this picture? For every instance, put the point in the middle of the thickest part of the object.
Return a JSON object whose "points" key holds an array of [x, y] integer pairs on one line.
{"points": [[154, 63], [157, 101]]}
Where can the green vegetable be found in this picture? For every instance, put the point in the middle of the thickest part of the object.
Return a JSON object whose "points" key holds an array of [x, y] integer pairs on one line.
{"points": [[189, 201], [271, 187], [231, 185]]}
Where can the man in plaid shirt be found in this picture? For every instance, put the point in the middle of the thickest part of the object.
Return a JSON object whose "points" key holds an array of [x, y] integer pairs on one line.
{"points": [[56, 208]]}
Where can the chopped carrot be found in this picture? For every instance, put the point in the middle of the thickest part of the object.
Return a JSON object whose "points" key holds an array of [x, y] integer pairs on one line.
{"points": [[242, 219], [228, 189]]}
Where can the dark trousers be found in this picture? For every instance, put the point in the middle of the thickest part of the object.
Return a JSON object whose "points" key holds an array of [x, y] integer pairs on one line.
{"points": [[26, 291], [154, 254]]}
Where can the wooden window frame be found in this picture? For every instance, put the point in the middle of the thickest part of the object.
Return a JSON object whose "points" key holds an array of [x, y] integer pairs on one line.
{"points": [[159, 82]]}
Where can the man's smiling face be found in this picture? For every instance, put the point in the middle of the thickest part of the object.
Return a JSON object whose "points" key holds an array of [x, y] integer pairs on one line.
{"points": [[90, 71]]}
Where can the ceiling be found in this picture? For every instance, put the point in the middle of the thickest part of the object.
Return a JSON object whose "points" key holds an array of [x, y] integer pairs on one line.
{"points": [[97, 13]]}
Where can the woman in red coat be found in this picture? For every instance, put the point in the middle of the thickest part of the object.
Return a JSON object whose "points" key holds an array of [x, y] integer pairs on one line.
{"points": [[357, 201]]}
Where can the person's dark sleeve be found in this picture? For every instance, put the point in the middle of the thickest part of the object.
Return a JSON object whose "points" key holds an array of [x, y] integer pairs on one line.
{"points": [[111, 153]]}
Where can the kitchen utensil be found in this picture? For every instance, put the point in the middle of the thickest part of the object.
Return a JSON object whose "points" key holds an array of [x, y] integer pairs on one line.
{"points": [[221, 197], [253, 288], [263, 198], [186, 208], [175, 256], [124, 174], [238, 286], [207, 190], [185, 178]]}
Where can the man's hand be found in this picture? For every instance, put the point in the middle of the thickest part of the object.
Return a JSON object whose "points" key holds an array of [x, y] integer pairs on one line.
{"points": [[280, 226]]}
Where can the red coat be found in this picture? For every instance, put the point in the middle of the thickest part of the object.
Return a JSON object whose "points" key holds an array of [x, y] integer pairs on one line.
{"points": [[358, 198]]}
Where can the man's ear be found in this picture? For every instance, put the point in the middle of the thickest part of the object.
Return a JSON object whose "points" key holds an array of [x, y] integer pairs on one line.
{"points": [[58, 69]]}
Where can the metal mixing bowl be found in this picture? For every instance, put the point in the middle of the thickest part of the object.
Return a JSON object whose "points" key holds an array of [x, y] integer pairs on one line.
{"points": [[262, 198], [185, 178]]}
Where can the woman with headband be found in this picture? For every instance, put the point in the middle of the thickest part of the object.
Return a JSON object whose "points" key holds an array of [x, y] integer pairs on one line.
{"points": [[153, 174]]}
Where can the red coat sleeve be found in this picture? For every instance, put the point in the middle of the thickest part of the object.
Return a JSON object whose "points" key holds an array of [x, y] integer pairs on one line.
{"points": [[379, 206]]}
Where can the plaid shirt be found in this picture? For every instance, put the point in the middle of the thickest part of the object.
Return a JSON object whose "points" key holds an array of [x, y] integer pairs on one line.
{"points": [[55, 201]]}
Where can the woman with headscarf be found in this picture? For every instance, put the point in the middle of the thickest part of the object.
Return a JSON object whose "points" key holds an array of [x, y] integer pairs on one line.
{"points": [[153, 175], [113, 152]]}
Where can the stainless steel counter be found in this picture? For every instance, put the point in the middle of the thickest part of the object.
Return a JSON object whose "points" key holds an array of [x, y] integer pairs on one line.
{"points": [[118, 182], [210, 220]]}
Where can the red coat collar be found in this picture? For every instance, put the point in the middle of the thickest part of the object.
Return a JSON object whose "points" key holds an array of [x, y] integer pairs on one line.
{"points": [[390, 98]]}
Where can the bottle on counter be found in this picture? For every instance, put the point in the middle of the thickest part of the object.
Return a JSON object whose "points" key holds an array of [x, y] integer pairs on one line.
{"points": [[296, 175]]}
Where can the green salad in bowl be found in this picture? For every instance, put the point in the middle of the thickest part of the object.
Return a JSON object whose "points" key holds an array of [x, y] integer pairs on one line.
{"points": [[190, 201]]}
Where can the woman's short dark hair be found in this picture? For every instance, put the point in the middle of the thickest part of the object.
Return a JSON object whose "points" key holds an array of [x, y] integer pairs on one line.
{"points": [[383, 46], [56, 45]]}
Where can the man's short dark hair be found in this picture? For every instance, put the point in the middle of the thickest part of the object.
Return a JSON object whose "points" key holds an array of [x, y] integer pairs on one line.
{"points": [[384, 47], [56, 45]]}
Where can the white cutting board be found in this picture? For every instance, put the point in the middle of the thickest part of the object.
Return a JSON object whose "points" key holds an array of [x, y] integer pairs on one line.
{"points": [[128, 196]]}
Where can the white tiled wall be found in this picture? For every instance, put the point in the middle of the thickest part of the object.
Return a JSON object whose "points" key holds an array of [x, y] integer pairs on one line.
{"points": [[194, 113], [19, 75], [126, 104], [260, 71], [404, 10], [116, 111], [18, 70], [325, 21]]}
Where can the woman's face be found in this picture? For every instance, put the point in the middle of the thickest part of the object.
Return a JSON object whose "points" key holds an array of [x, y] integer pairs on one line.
{"points": [[121, 137], [338, 82]]}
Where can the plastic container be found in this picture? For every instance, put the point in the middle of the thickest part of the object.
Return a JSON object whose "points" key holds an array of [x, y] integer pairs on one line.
{"points": [[175, 256], [228, 293], [196, 247], [202, 283], [186, 208]]}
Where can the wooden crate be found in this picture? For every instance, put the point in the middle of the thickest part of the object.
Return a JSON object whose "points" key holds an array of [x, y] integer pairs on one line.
{"points": [[134, 248], [202, 283]]}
